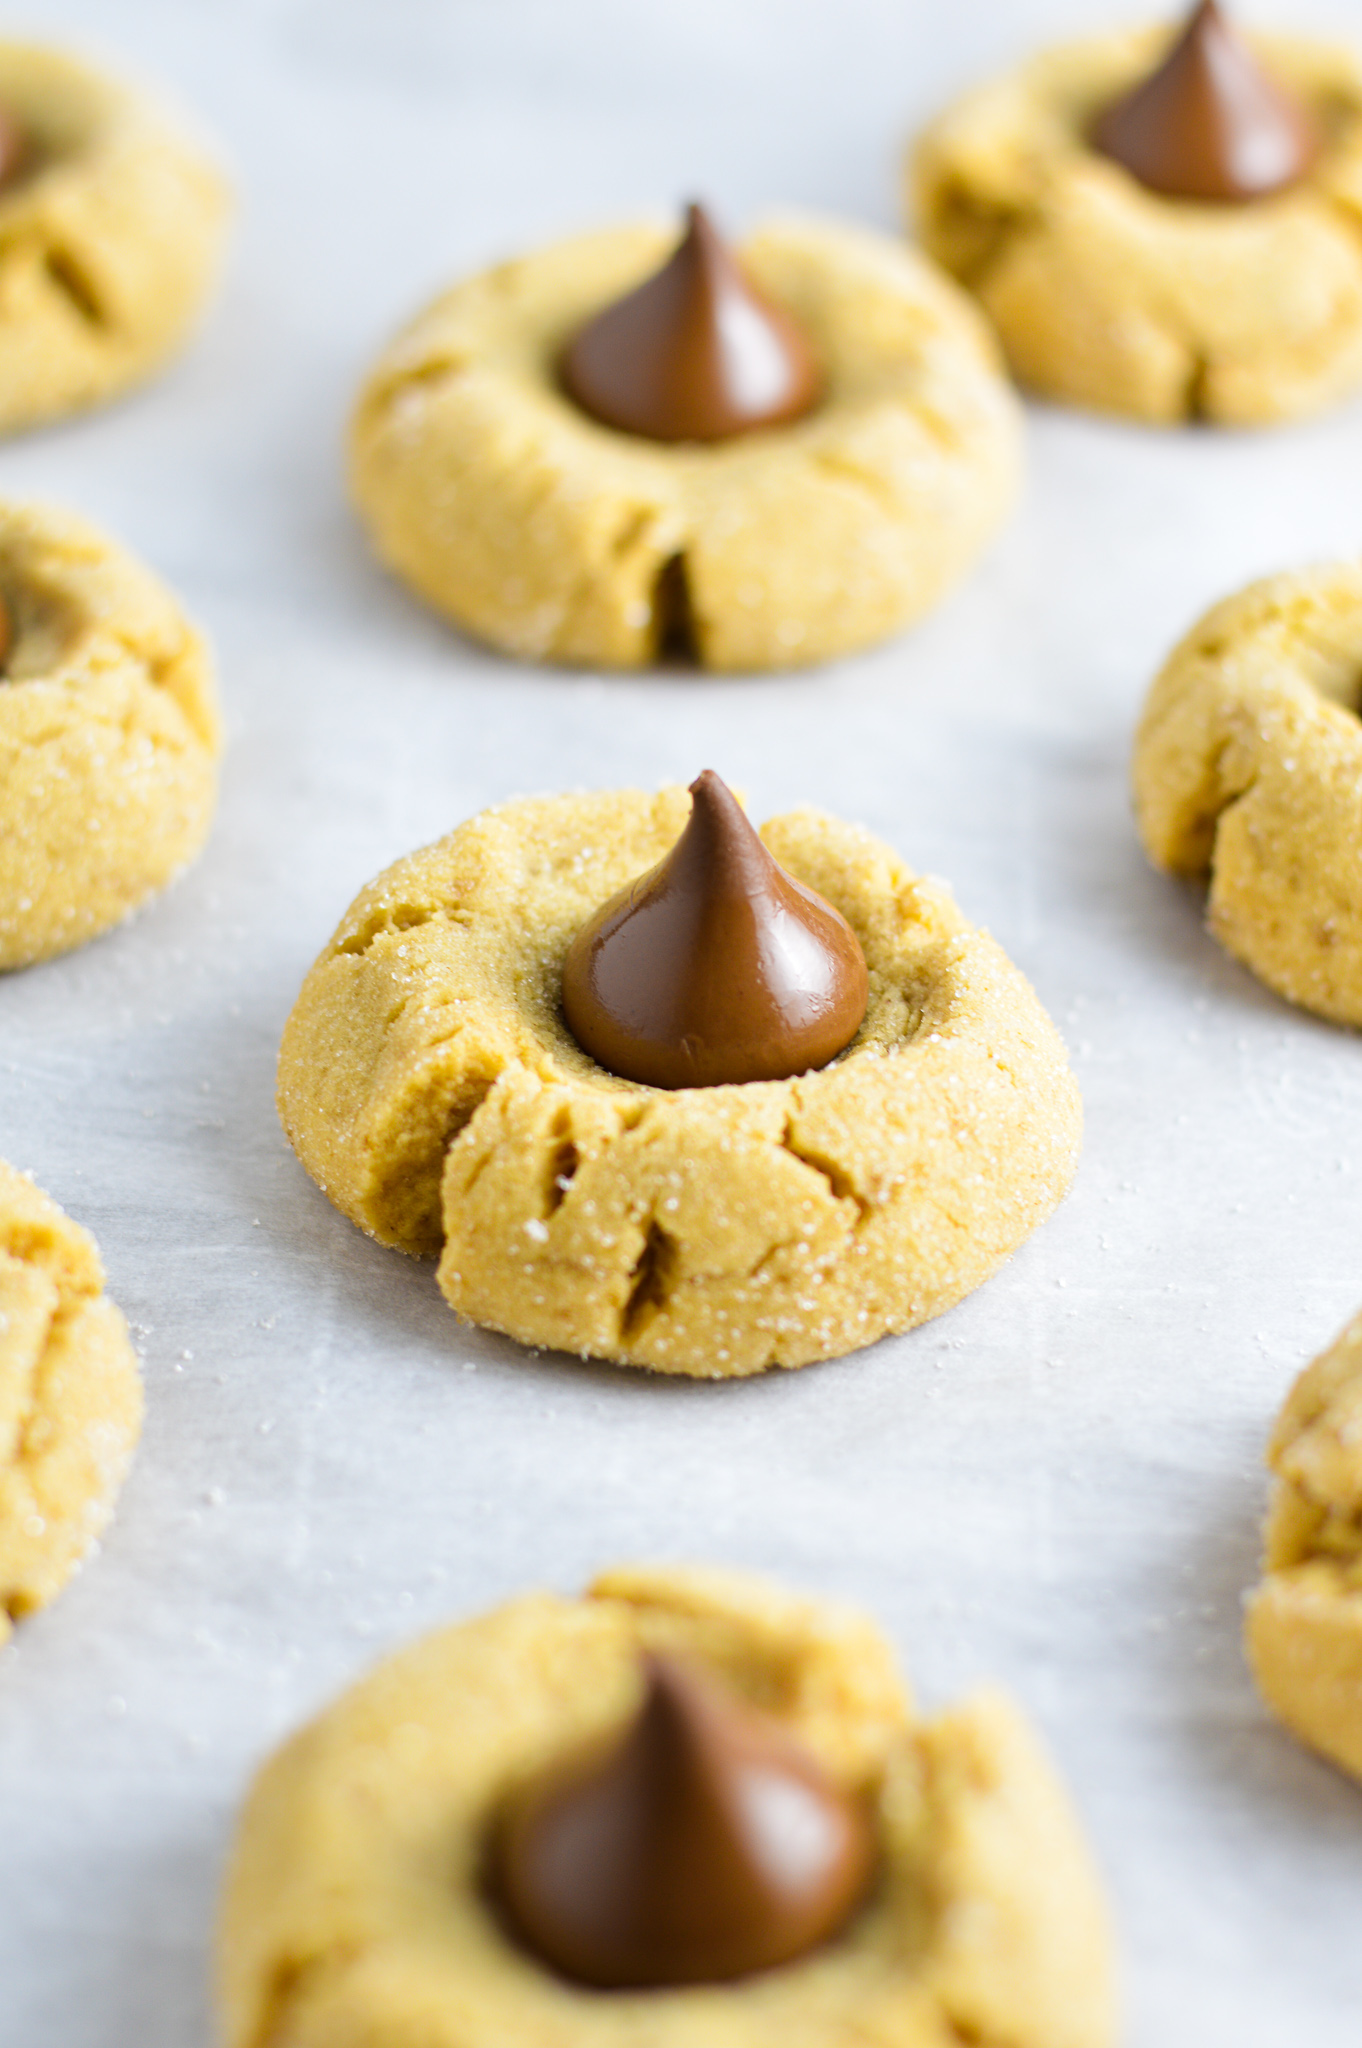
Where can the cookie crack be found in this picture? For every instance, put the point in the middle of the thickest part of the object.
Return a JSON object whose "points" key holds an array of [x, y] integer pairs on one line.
{"points": [[990, 227], [1196, 395], [839, 1181], [395, 917], [76, 286], [289, 1982], [564, 1160], [675, 635], [412, 383], [865, 480], [651, 1283]]}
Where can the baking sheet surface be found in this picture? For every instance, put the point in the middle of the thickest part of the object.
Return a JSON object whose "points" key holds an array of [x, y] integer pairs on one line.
{"points": [[1058, 1486]]}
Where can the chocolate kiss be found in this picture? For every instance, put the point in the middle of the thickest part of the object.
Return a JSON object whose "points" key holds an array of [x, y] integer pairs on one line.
{"points": [[6, 634], [695, 354], [716, 965], [1210, 123], [705, 1845]]}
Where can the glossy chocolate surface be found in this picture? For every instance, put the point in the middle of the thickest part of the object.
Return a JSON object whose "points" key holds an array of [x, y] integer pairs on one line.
{"points": [[704, 1844], [715, 966], [6, 635], [1210, 123], [696, 353]]}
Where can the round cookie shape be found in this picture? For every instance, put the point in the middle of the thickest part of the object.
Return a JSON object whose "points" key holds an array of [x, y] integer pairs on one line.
{"points": [[108, 735], [1303, 1630], [1248, 768], [556, 538], [431, 1088], [1108, 295], [70, 1398], [110, 237], [355, 1907]]}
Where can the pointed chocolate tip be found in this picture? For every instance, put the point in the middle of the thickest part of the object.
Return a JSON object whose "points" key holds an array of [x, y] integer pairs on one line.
{"points": [[694, 353], [716, 966], [1210, 123], [705, 1844]]}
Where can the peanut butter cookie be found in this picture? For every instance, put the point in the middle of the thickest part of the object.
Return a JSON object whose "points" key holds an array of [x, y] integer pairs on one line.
{"points": [[1248, 768], [1112, 295], [357, 1904], [108, 734], [111, 230], [1304, 1628], [70, 1398], [555, 537], [432, 1089]]}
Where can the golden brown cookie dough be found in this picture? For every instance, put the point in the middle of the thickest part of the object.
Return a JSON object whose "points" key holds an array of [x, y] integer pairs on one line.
{"points": [[1248, 767], [70, 1398], [1108, 295], [431, 1089], [354, 1910], [559, 539], [110, 238], [108, 735], [1304, 1629]]}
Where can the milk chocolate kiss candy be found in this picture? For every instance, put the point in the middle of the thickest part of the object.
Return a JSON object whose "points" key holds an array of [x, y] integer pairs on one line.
{"points": [[1210, 123], [716, 965], [695, 354], [6, 634], [704, 1845]]}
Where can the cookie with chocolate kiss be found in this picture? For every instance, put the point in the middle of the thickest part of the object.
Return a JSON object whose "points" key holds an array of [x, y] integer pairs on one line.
{"points": [[115, 222], [775, 1758], [633, 446], [695, 1218], [1158, 223]]}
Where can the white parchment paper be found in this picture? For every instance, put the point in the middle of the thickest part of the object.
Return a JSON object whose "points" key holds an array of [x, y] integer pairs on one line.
{"points": [[1057, 1486]]}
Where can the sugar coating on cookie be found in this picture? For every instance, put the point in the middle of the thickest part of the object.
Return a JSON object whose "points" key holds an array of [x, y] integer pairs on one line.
{"points": [[1248, 770], [108, 735], [431, 1088], [556, 538], [110, 237], [70, 1398], [1304, 1623], [355, 1907], [1109, 295]]}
